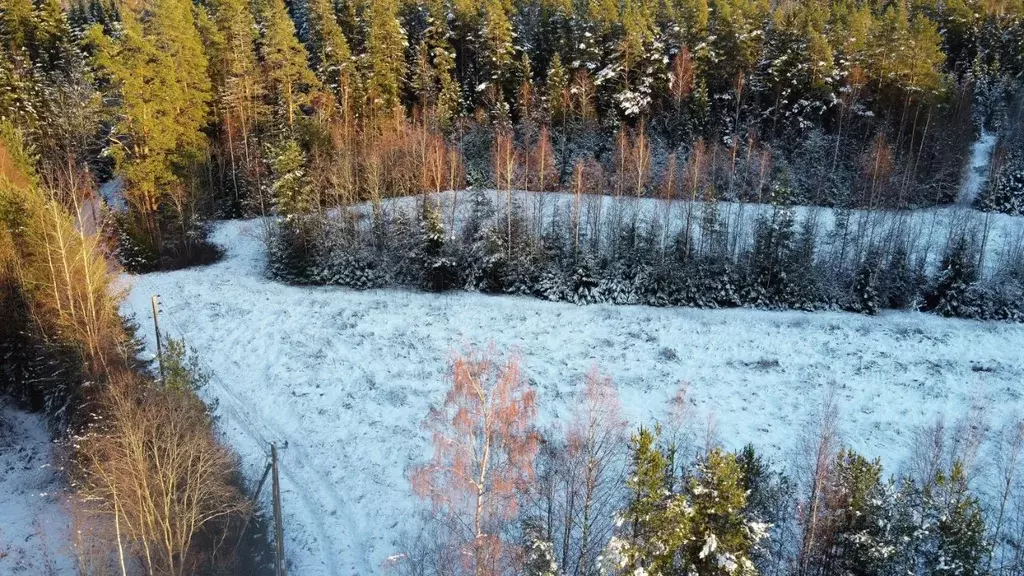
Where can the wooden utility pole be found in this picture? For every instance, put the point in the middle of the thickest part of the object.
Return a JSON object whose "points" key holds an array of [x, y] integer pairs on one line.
{"points": [[278, 527], [156, 327]]}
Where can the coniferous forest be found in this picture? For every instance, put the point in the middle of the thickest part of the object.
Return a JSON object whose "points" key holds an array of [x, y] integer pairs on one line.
{"points": [[856, 155], [203, 110]]}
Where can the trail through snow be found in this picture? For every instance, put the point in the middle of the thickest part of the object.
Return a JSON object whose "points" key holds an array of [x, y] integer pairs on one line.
{"points": [[976, 174], [346, 377]]}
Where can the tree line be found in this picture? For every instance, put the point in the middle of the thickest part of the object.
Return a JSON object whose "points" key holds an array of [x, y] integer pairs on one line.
{"points": [[590, 497], [589, 249], [151, 487], [227, 108]]}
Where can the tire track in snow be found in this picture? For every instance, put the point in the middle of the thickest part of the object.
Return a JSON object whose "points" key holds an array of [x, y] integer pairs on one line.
{"points": [[258, 434], [324, 490], [307, 501]]}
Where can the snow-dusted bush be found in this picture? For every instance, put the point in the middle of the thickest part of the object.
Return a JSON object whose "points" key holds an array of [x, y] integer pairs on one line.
{"points": [[1006, 195], [787, 262], [954, 292]]}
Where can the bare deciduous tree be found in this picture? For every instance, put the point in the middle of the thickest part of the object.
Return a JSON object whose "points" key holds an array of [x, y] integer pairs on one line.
{"points": [[596, 439], [156, 469], [484, 450], [819, 448]]}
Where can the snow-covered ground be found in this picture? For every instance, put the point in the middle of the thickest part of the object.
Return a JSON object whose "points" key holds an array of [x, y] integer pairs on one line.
{"points": [[34, 523], [346, 377], [977, 171]]}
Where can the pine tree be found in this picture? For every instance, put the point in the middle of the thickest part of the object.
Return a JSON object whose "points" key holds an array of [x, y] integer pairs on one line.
{"points": [[383, 63], [656, 523], [723, 538], [638, 67], [231, 45], [157, 71], [737, 41], [290, 83], [329, 52], [172, 28], [496, 44]]}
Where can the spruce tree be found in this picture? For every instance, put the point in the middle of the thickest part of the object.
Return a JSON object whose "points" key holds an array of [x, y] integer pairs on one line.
{"points": [[538, 551], [955, 541], [656, 523], [866, 297], [292, 195]]}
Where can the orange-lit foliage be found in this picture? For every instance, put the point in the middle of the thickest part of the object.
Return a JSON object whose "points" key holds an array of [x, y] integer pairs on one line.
{"points": [[484, 449], [504, 160], [696, 175], [442, 166], [541, 172], [402, 159], [876, 171], [682, 75], [9, 169]]}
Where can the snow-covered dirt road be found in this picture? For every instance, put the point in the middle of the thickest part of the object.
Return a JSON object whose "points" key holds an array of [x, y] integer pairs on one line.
{"points": [[346, 377]]}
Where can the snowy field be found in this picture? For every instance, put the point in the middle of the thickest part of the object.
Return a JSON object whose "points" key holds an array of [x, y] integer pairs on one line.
{"points": [[345, 378], [34, 523]]}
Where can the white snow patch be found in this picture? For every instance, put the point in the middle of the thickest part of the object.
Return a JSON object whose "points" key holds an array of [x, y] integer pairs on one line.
{"points": [[977, 170], [34, 523], [346, 377]]}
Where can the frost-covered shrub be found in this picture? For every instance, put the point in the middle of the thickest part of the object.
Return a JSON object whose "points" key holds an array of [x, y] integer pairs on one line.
{"points": [[358, 269], [292, 254], [552, 284], [865, 297], [626, 283], [584, 286], [954, 293], [1006, 195], [520, 276]]}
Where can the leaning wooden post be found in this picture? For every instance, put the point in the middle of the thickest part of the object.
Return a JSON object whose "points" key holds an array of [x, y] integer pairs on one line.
{"points": [[279, 568], [159, 347]]}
